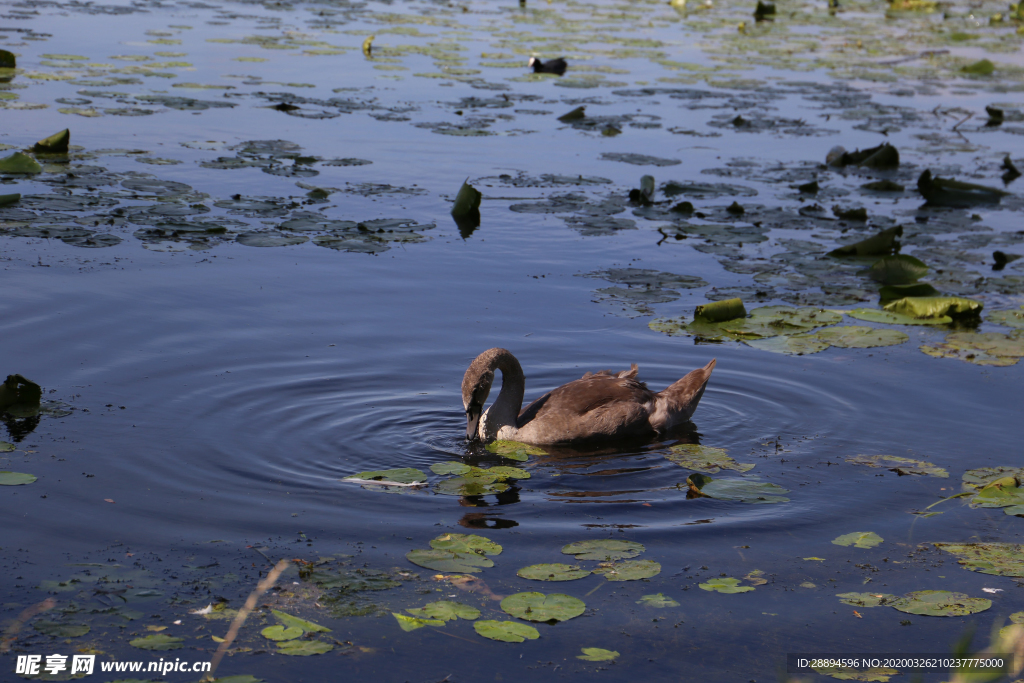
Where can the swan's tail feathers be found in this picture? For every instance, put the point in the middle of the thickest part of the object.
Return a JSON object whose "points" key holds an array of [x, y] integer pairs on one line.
{"points": [[679, 401]]}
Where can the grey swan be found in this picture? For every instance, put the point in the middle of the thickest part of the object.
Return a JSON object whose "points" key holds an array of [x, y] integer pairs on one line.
{"points": [[604, 405]]}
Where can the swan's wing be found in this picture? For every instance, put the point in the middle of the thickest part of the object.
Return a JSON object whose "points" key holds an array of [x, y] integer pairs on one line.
{"points": [[597, 406]]}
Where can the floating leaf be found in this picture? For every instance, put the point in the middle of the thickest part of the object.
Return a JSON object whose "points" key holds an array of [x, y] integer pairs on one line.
{"points": [[8, 199], [478, 483], [157, 641], [949, 192], [705, 459], [882, 243], [755, 577], [1000, 493], [19, 163], [539, 607], [506, 631], [629, 570], [982, 67], [445, 610], [15, 478], [467, 201], [7, 60], [980, 348], [447, 561], [940, 604], [858, 539], [295, 622], [466, 543], [1007, 318], [876, 315], [983, 476], [657, 600], [747, 490], [514, 450], [879, 674], [303, 648], [413, 623], [54, 144], [279, 632], [899, 465], [717, 311], [596, 654], [553, 572], [897, 270], [61, 630], [890, 292], [450, 467], [603, 549], [6, 446], [725, 585], [936, 307], [793, 345], [401, 475], [866, 599], [857, 337], [998, 559]]}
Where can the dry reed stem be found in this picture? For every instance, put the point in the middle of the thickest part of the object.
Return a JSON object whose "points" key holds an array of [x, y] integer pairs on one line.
{"points": [[250, 604]]}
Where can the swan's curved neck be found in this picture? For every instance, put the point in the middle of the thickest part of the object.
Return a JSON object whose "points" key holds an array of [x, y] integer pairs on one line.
{"points": [[505, 410]]}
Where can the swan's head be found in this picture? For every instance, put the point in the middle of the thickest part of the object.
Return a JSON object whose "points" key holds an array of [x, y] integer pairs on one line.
{"points": [[476, 386]]}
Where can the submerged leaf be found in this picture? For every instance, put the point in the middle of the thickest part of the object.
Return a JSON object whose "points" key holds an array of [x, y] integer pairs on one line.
{"points": [[940, 604], [596, 654], [603, 549], [534, 606], [657, 600], [401, 475], [705, 459], [61, 630], [629, 570], [859, 539], [553, 572], [899, 465], [304, 648], [725, 585], [506, 631], [897, 270]]}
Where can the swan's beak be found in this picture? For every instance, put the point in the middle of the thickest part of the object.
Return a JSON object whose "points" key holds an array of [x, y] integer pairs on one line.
{"points": [[472, 422]]}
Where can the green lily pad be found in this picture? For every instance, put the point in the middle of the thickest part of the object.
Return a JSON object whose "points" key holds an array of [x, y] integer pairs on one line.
{"points": [[791, 345], [981, 477], [982, 67], [950, 192], [856, 337], [506, 472], [705, 459], [506, 631], [15, 478], [746, 490], [295, 622], [876, 315], [553, 572], [445, 610], [980, 348], [303, 648], [882, 243], [596, 654], [897, 270], [629, 570], [54, 144], [539, 607], [998, 559], [603, 549], [447, 561], [718, 311], [858, 539], [449, 467], [401, 475], [278, 632], [1004, 492], [1014, 510], [879, 674], [269, 239], [466, 543], [514, 450], [8, 199], [657, 600], [899, 465], [413, 623], [866, 599], [6, 446], [891, 292], [61, 630], [478, 484], [157, 641], [924, 307], [1007, 318], [19, 163], [725, 584], [940, 604]]}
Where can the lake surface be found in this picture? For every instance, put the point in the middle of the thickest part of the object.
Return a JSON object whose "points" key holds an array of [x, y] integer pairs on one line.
{"points": [[243, 285]]}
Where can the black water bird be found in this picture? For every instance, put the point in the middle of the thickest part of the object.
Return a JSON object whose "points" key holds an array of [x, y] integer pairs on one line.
{"points": [[552, 66]]}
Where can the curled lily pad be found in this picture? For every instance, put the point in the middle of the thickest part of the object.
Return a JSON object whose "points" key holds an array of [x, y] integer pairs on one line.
{"points": [[19, 163], [603, 549], [857, 337], [539, 607], [450, 467], [506, 631], [899, 465], [61, 630], [466, 543], [717, 311], [553, 572], [705, 459], [940, 604], [746, 490], [514, 450], [891, 292], [980, 348], [447, 561], [278, 632], [629, 570], [157, 641], [467, 202], [295, 622], [6, 446], [866, 599], [412, 623], [949, 192], [400, 476], [858, 539], [725, 584], [998, 559], [304, 648], [897, 270], [15, 478], [876, 245], [596, 654], [936, 307], [445, 610], [1003, 492], [657, 600], [983, 476]]}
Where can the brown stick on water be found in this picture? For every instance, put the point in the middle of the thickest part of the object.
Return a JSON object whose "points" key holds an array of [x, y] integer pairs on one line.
{"points": [[250, 604], [26, 614]]}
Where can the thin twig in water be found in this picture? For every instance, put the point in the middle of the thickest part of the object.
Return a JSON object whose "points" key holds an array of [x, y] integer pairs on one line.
{"points": [[964, 120], [26, 614], [250, 604]]}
